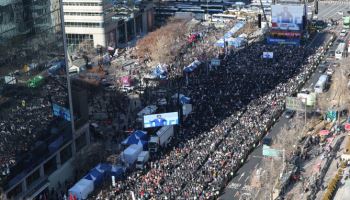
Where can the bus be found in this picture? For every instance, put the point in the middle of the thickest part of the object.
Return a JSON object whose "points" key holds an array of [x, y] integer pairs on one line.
{"points": [[346, 22], [321, 84], [222, 17], [339, 52]]}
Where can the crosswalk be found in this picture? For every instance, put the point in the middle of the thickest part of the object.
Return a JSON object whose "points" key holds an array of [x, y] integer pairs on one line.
{"points": [[343, 2]]}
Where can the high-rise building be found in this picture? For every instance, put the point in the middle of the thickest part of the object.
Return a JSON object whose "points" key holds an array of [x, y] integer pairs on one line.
{"points": [[40, 132], [99, 23]]}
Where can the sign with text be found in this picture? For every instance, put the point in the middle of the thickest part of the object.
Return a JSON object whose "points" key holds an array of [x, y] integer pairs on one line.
{"points": [[268, 55], [269, 152], [294, 103], [60, 111], [162, 119]]}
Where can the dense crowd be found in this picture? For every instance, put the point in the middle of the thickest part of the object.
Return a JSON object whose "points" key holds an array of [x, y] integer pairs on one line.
{"points": [[234, 105], [26, 118]]}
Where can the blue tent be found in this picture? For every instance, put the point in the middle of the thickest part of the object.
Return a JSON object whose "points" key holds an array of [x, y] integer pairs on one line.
{"points": [[103, 167], [138, 137], [185, 100], [142, 135], [96, 176], [117, 171], [160, 72], [191, 67]]}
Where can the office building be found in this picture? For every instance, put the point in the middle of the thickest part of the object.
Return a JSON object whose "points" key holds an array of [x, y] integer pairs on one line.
{"points": [[40, 132], [100, 23]]}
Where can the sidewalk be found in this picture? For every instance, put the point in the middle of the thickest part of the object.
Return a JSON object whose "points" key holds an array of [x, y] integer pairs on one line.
{"points": [[332, 170]]}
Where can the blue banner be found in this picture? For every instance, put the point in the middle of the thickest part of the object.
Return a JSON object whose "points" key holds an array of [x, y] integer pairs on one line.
{"points": [[271, 40]]}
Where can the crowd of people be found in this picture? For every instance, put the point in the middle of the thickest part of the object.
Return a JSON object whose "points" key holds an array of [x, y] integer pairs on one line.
{"points": [[234, 106], [25, 118]]}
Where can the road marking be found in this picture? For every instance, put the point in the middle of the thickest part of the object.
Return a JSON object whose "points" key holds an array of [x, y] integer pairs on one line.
{"points": [[247, 188], [234, 185], [246, 179], [241, 176], [256, 166]]}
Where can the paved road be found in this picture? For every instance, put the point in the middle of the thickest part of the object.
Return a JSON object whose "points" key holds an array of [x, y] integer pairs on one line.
{"points": [[240, 185], [328, 10]]}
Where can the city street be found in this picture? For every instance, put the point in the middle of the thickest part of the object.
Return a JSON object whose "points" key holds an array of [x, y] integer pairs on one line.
{"points": [[241, 182], [329, 9]]}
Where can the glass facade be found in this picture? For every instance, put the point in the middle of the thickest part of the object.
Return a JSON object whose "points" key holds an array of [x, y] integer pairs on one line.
{"points": [[35, 117]]}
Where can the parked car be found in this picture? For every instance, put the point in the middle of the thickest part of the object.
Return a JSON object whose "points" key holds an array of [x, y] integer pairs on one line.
{"points": [[330, 72], [322, 68], [289, 114], [267, 141], [343, 33]]}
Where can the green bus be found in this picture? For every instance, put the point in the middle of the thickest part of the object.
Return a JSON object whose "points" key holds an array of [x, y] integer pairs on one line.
{"points": [[346, 22], [35, 82]]}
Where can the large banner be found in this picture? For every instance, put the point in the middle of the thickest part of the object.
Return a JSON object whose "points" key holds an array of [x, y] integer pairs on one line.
{"points": [[60, 111], [287, 17], [271, 40], [163, 119]]}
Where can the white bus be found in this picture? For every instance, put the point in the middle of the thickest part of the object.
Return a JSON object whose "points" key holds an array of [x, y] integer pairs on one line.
{"points": [[339, 52], [321, 84], [222, 17]]}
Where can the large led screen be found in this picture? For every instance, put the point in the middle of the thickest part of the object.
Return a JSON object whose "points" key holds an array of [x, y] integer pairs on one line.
{"points": [[162, 119], [287, 17]]}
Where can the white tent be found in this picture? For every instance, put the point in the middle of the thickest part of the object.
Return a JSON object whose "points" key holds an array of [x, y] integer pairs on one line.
{"points": [[82, 189]]}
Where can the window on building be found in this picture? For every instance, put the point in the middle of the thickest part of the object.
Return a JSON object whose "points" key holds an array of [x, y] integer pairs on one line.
{"points": [[33, 177], [15, 191], [81, 4], [83, 14], [66, 154], [76, 39], [50, 166], [80, 142], [84, 24]]}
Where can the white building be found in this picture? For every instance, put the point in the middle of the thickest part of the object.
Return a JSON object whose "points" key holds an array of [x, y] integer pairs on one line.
{"points": [[95, 21]]}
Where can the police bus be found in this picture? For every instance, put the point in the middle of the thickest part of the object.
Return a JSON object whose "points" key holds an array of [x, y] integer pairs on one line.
{"points": [[339, 52]]}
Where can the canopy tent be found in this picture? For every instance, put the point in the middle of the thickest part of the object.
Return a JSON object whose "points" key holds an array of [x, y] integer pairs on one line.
{"points": [[138, 137], [183, 98], [191, 67], [103, 167], [96, 176], [160, 71], [82, 189], [117, 171], [229, 34]]}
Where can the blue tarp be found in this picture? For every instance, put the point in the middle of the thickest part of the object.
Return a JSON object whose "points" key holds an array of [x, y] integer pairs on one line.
{"points": [[138, 137], [191, 67], [117, 171], [185, 100], [104, 167], [96, 176], [56, 67], [160, 71], [230, 33]]}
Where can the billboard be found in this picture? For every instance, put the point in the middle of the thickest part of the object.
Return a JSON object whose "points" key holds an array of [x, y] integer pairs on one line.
{"points": [[60, 111], [161, 119], [288, 34], [287, 17]]}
